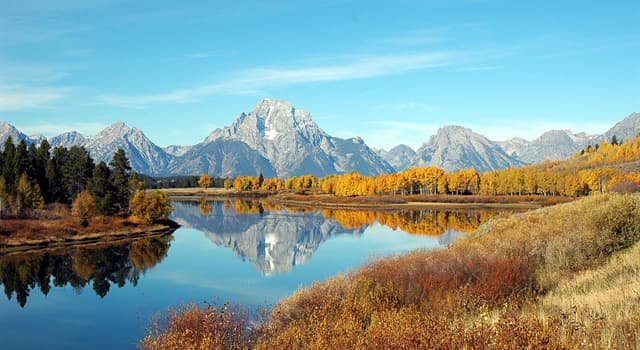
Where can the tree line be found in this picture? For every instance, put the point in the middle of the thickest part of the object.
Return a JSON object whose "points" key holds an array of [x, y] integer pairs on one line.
{"points": [[31, 177], [591, 170]]}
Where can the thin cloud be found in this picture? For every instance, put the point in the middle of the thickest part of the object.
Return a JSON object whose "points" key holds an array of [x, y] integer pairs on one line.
{"points": [[256, 79], [52, 129], [15, 98]]}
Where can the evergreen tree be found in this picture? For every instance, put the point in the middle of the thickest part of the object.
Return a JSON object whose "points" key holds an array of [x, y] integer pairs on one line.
{"points": [[77, 171], [614, 140], [42, 158], [120, 180], [21, 160], [9, 157], [4, 195], [53, 173], [101, 189], [32, 152], [135, 183]]}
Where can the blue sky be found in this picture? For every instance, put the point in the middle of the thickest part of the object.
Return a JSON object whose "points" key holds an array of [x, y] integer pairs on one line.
{"points": [[391, 72]]}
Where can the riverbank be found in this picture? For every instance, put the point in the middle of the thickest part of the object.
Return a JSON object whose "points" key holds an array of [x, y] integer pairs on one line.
{"points": [[564, 276], [27, 234], [371, 202]]}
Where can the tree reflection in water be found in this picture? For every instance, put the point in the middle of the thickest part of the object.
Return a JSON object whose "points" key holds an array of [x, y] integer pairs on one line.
{"points": [[432, 222], [276, 238], [102, 265]]}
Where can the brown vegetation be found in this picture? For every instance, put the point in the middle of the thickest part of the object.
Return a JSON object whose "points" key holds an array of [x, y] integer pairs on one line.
{"points": [[562, 277], [56, 225]]}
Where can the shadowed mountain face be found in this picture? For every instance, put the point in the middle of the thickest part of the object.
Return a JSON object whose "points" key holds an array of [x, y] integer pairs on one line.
{"points": [[276, 239]]}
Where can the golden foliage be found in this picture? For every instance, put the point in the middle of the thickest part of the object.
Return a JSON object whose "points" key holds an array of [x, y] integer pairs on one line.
{"points": [[205, 181], [83, 207], [150, 206]]}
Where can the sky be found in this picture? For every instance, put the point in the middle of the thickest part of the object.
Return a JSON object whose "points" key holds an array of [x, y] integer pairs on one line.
{"points": [[388, 71]]}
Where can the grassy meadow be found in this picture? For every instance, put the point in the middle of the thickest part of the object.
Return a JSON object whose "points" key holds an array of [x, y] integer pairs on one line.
{"points": [[559, 277]]}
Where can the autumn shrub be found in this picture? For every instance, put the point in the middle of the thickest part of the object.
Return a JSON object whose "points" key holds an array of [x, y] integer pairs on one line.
{"points": [[491, 290], [150, 206], [211, 326], [83, 208]]}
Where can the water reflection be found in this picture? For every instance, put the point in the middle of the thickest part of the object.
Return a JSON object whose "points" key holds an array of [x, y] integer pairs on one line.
{"points": [[100, 265], [276, 238]]}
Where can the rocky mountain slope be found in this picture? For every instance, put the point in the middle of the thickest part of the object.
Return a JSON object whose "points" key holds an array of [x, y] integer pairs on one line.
{"points": [[560, 144], [225, 158], [7, 130], [295, 145], [68, 139], [626, 129], [552, 145], [145, 156], [276, 139], [454, 148], [399, 157]]}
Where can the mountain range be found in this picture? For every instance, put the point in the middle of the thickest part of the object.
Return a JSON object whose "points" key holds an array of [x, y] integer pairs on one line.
{"points": [[277, 139]]}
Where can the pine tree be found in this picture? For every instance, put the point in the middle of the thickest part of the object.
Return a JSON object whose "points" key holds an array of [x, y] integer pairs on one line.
{"points": [[4, 195], [21, 159], [120, 180], [77, 171], [614, 140], [32, 152], [101, 189], [42, 157], [9, 157], [53, 173]]}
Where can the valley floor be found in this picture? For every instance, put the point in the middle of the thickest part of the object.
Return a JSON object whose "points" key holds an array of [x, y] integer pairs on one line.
{"points": [[560, 277]]}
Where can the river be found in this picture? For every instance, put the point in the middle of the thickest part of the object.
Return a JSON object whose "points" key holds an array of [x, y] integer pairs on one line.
{"points": [[102, 296]]}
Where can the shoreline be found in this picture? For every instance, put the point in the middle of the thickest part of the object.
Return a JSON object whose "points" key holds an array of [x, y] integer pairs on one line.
{"points": [[384, 202], [407, 205], [25, 245]]}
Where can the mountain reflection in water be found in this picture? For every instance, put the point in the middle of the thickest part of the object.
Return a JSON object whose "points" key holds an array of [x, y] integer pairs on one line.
{"points": [[101, 265], [276, 238]]}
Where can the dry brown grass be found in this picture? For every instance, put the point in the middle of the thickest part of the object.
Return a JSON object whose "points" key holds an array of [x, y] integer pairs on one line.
{"points": [[55, 225], [209, 327], [541, 279]]}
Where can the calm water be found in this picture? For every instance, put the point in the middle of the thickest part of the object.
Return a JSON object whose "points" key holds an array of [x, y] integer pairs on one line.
{"points": [[248, 252]]}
